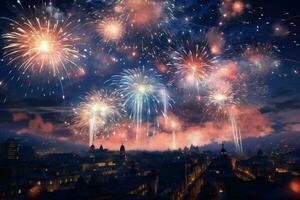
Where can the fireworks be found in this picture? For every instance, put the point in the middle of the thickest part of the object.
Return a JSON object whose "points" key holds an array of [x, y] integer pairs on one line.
{"points": [[193, 64], [143, 13], [262, 58], [145, 24], [225, 100], [237, 136], [231, 8], [38, 45], [221, 98], [142, 91], [43, 44], [97, 111], [111, 29], [171, 124]]}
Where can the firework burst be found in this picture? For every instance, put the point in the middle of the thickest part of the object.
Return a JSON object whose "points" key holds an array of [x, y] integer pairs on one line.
{"points": [[38, 45], [41, 45], [146, 22], [145, 13], [145, 96], [97, 112], [262, 58], [221, 98], [193, 63], [111, 29]]}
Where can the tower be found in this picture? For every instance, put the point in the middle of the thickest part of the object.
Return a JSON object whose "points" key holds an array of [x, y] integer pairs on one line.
{"points": [[122, 153], [223, 150]]}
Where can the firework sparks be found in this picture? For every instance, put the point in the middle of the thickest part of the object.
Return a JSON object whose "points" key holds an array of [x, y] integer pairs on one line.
{"points": [[39, 45], [97, 111], [171, 124], [225, 100], [142, 13], [221, 98], [262, 58], [237, 136], [111, 29], [216, 73], [142, 93], [193, 64], [231, 8], [146, 23]]}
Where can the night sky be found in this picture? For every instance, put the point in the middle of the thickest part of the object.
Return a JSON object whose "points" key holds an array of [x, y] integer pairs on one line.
{"points": [[247, 50]]}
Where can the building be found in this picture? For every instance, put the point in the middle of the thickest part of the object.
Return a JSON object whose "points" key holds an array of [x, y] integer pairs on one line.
{"points": [[259, 166], [11, 149], [219, 175]]}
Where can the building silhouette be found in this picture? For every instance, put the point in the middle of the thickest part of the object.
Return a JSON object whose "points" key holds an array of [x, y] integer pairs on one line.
{"points": [[123, 154], [11, 149]]}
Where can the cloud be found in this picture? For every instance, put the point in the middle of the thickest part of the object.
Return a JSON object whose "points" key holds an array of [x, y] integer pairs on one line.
{"points": [[37, 125], [292, 127], [250, 121], [16, 117], [54, 12], [253, 123], [215, 40]]}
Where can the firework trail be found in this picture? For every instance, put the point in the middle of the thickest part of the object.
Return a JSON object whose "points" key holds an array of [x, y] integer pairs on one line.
{"points": [[174, 126], [144, 94], [41, 44], [97, 112], [165, 101], [237, 136]]}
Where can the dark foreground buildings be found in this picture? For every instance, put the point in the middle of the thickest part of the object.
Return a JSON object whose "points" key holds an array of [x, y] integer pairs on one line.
{"points": [[182, 174]]}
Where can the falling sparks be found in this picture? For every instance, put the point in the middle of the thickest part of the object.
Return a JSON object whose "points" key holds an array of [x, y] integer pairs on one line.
{"points": [[225, 101], [141, 90]]}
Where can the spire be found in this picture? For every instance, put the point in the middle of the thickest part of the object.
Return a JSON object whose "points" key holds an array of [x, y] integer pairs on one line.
{"points": [[223, 150], [101, 148], [122, 153], [122, 149], [260, 152], [92, 147]]}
